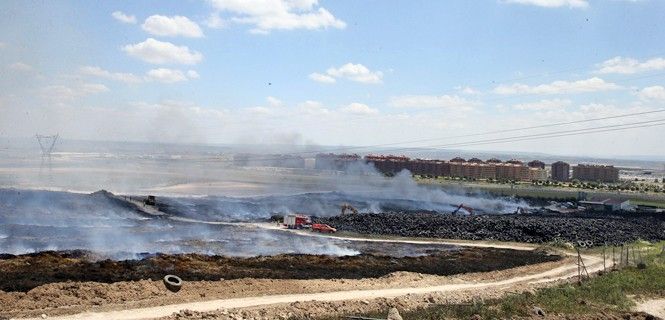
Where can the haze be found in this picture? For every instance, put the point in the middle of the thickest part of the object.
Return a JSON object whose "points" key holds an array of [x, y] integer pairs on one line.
{"points": [[333, 72]]}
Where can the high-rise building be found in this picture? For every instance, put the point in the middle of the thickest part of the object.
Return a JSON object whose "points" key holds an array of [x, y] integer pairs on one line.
{"points": [[536, 164], [330, 161], [592, 172], [560, 171], [512, 171]]}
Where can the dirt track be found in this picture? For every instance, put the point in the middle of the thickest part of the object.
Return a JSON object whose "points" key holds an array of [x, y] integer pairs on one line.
{"points": [[162, 311], [393, 285]]}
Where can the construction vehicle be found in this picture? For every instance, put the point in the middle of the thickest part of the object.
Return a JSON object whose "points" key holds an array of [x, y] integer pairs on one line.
{"points": [[348, 207], [462, 206], [150, 201], [323, 228], [297, 221]]}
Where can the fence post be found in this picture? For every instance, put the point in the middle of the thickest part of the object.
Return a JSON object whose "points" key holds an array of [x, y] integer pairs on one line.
{"points": [[620, 256], [604, 268]]}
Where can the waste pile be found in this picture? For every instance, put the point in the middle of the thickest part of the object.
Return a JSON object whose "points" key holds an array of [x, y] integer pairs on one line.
{"points": [[590, 229]]}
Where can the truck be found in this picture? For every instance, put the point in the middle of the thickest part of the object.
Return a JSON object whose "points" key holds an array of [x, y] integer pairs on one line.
{"points": [[150, 201], [297, 221]]}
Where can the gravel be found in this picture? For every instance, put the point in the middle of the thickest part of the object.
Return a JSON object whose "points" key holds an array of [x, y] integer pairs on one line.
{"points": [[612, 229]]}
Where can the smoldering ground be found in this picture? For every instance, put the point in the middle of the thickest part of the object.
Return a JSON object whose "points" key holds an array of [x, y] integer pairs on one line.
{"points": [[34, 220]]}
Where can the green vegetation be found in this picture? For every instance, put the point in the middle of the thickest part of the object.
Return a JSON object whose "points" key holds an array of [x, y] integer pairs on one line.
{"points": [[608, 293], [659, 204], [637, 193]]}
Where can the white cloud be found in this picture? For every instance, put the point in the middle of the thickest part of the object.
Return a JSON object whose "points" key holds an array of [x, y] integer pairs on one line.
{"points": [[552, 3], [543, 105], [2, 45], [427, 101], [215, 21], [468, 90], [165, 75], [65, 93], [558, 87], [274, 102], [158, 52], [652, 93], [116, 76], [359, 109], [310, 107], [172, 26], [192, 74], [623, 65], [318, 77], [259, 111], [124, 18], [267, 15], [349, 71], [356, 72], [20, 66]]}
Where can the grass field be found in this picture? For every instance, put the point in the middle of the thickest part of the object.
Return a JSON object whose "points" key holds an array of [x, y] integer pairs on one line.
{"points": [[546, 192]]}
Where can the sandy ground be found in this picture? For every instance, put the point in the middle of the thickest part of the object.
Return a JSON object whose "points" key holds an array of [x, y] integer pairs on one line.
{"points": [[655, 307], [262, 296]]}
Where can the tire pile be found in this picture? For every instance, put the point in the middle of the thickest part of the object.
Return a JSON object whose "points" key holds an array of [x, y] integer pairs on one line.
{"points": [[595, 230]]}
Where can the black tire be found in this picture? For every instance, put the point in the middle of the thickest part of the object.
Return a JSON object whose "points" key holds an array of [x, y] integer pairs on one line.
{"points": [[173, 283]]}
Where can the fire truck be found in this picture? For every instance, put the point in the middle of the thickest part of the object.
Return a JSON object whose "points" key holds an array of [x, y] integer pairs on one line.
{"points": [[297, 221], [300, 221]]}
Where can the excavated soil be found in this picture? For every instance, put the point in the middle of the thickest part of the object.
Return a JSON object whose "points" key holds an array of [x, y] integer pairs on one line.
{"points": [[25, 272]]}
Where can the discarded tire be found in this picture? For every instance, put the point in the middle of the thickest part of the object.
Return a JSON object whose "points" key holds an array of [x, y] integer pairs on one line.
{"points": [[582, 230], [538, 311], [173, 283]]}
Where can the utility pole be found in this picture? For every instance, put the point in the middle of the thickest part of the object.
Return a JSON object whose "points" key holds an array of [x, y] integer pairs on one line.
{"points": [[47, 143]]}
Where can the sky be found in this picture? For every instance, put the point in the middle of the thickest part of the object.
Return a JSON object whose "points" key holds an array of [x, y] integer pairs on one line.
{"points": [[346, 72]]}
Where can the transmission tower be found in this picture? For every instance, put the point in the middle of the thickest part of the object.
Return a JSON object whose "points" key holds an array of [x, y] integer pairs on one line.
{"points": [[47, 143]]}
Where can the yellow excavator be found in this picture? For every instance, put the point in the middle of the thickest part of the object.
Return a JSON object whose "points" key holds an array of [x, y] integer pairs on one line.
{"points": [[347, 207], [462, 206]]}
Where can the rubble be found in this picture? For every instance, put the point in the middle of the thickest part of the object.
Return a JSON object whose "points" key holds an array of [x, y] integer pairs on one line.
{"points": [[393, 314]]}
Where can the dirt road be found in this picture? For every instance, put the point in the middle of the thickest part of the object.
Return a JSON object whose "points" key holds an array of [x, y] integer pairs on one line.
{"points": [[654, 307], [558, 273]]}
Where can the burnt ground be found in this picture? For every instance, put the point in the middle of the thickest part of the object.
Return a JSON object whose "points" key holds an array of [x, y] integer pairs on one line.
{"points": [[610, 229], [25, 272]]}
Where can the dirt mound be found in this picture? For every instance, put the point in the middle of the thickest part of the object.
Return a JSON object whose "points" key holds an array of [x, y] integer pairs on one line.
{"points": [[615, 229], [25, 272]]}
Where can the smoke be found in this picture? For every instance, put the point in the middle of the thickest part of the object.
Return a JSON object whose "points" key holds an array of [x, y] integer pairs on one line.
{"points": [[32, 221], [360, 186], [194, 182]]}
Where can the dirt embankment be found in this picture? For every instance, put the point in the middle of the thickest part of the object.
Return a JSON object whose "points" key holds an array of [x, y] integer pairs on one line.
{"points": [[25, 272], [600, 229], [69, 282]]}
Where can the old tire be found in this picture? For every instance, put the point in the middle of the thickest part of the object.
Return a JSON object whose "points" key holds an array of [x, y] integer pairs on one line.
{"points": [[173, 283]]}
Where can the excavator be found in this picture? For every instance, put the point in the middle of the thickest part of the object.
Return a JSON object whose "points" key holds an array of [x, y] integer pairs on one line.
{"points": [[462, 206], [348, 207]]}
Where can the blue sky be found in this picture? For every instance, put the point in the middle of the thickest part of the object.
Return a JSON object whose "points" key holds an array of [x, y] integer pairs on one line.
{"points": [[332, 72]]}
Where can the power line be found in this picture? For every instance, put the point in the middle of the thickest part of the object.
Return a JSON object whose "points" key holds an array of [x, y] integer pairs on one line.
{"points": [[574, 134], [551, 134], [606, 128], [472, 134], [500, 131]]}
